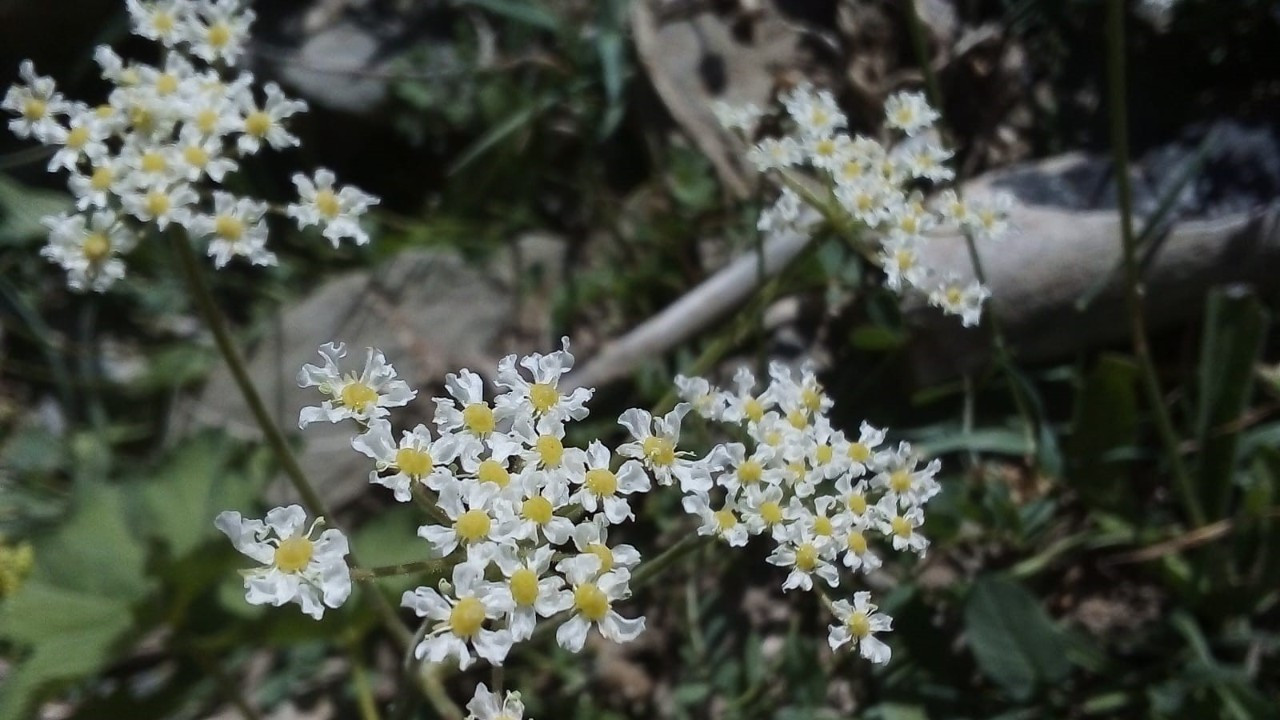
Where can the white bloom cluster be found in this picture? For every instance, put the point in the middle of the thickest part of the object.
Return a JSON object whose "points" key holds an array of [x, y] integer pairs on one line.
{"points": [[824, 499], [297, 568], [528, 517], [873, 185], [146, 156]]}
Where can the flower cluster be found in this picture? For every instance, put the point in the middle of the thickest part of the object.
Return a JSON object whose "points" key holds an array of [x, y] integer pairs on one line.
{"points": [[824, 499], [873, 186], [524, 518], [296, 567], [146, 157]]}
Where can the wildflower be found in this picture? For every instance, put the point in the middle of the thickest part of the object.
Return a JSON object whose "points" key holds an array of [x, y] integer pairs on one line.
{"points": [[160, 20], [901, 527], [600, 487], [723, 523], [956, 298], [527, 594], [775, 154], [806, 555], [162, 204], [655, 445], [487, 705], [362, 397], [415, 458], [533, 512], [591, 596], [471, 508], [237, 227], [909, 112], [989, 218], [859, 622], [762, 511], [337, 210], [219, 31], [83, 138], [698, 393], [460, 611], [814, 112], [903, 484], [475, 419], [742, 118], [88, 250], [265, 123], [37, 103], [592, 537], [541, 398], [296, 568]]}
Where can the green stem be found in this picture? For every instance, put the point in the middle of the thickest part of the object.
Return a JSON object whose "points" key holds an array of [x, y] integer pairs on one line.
{"points": [[650, 570], [218, 325], [1133, 282], [364, 691], [916, 29], [424, 566]]}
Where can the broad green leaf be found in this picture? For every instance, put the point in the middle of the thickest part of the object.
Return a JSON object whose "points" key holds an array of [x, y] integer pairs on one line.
{"points": [[184, 496], [1014, 641], [1106, 419], [97, 551], [1234, 331]]}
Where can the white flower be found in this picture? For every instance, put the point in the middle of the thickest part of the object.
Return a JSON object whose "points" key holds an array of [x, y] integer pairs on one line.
{"points": [[487, 705], [957, 298], [200, 154], [298, 569], [83, 138], [655, 446], [742, 118], [219, 30], [541, 398], [96, 189], [592, 537], [909, 112], [763, 511], [265, 123], [161, 205], [857, 551], [460, 612], [815, 113], [591, 597], [416, 458], [160, 20], [475, 419], [699, 393], [526, 594], [533, 513], [741, 471], [336, 210], [600, 487], [88, 252], [775, 153], [37, 103], [905, 485], [901, 527], [900, 258], [923, 158], [859, 622], [806, 555], [743, 405], [989, 217], [237, 228], [722, 523], [471, 508], [363, 397]]}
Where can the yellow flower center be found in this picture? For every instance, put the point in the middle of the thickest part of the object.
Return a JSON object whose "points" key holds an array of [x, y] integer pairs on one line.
{"points": [[492, 471], [900, 526], [954, 295], [293, 554], [104, 111], [771, 512], [660, 451], [859, 624], [257, 124], [230, 228], [859, 452], [157, 203], [163, 22], [34, 109], [195, 156], [466, 617], [905, 259], [852, 169], [811, 399], [524, 586], [725, 520], [601, 482], [550, 450], [77, 138], [590, 601], [857, 503], [472, 525], [141, 119], [96, 246], [327, 203], [543, 397], [773, 438], [154, 163], [478, 417], [823, 454], [166, 84], [857, 542], [798, 471], [218, 35], [414, 462], [899, 481], [825, 147], [904, 115], [207, 120], [822, 526], [603, 552], [357, 396], [797, 419], [753, 409], [806, 557], [537, 509], [750, 472], [101, 179]]}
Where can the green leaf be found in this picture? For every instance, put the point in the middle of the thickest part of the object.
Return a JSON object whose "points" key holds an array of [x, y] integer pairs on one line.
{"points": [[997, 441], [23, 209], [522, 12], [876, 337], [1014, 641], [188, 491], [97, 551], [1235, 329], [1106, 420]]}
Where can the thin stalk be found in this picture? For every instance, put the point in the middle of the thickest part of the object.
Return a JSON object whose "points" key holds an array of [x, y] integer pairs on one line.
{"points": [[364, 691], [1133, 282], [423, 566], [915, 27], [217, 324], [650, 570]]}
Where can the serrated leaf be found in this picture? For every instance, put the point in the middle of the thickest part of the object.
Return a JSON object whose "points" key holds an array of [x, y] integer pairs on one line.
{"points": [[1012, 638]]}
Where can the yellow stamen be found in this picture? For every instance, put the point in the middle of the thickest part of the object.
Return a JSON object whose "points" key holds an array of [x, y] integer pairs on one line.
{"points": [[466, 618], [591, 601], [543, 397], [357, 396], [414, 462], [524, 587], [478, 417], [472, 525], [293, 554], [550, 450], [492, 471]]}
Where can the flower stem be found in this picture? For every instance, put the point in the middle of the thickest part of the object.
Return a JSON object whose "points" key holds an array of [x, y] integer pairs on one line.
{"points": [[1133, 281], [915, 27], [650, 570], [217, 324], [424, 566]]}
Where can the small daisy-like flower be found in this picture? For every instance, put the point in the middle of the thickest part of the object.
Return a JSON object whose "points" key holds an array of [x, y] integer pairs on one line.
{"points": [[460, 612], [592, 537], [235, 228], [863, 453], [900, 258], [697, 391], [909, 112], [655, 446], [475, 420], [219, 30], [591, 596], [160, 20], [104, 180], [857, 551], [471, 508], [528, 595], [601, 488], [742, 404], [88, 251], [415, 458], [162, 204], [541, 398], [903, 484], [762, 510], [84, 138], [814, 112], [487, 705], [723, 523], [958, 298], [362, 397], [266, 123], [743, 471], [807, 556], [859, 622], [336, 210], [37, 103], [989, 217], [901, 526], [533, 513], [200, 155], [866, 200], [742, 118], [312, 573], [925, 159], [775, 153]]}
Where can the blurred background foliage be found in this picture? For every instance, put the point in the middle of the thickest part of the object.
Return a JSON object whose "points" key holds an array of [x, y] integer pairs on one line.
{"points": [[1066, 578]]}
